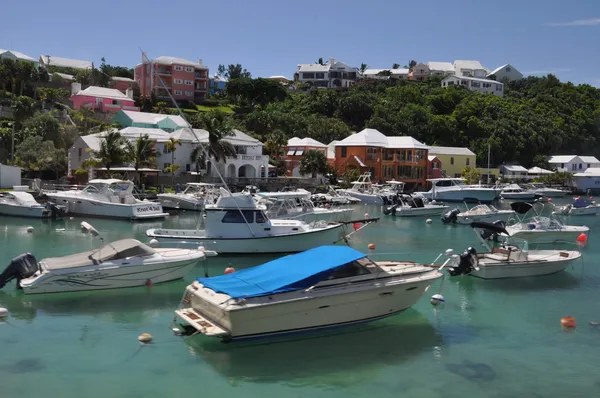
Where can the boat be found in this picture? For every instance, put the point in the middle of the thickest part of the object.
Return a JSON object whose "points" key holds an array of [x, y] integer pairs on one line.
{"points": [[325, 287], [237, 224], [455, 190], [547, 192], [409, 206], [512, 259], [23, 204], [365, 190], [579, 207], [119, 264], [296, 205], [333, 198], [479, 213], [192, 197], [588, 180], [514, 191], [110, 198]]}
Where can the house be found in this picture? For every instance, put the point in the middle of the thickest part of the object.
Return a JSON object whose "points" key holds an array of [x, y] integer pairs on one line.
{"points": [[453, 159], [440, 68], [121, 83], [330, 75], [216, 83], [185, 80], [17, 56], [484, 86], [434, 167], [514, 172], [386, 158], [168, 123], [470, 69], [102, 99], [295, 150], [281, 79], [50, 60], [420, 72], [573, 163], [398, 73], [505, 73]]}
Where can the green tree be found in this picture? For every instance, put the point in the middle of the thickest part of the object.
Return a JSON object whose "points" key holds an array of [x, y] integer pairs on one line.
{"points": [[411, 64], [314, 162], [36, 155], [111, 152], [219, 127], [46, 126], [363, 68], [22, 108], [471, 175], [141, 153], [171, 147], [52, 95], [233, 71], [395, 66]]}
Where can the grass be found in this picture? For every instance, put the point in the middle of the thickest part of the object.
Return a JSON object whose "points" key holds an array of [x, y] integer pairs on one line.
{"points": [[203, 108]]}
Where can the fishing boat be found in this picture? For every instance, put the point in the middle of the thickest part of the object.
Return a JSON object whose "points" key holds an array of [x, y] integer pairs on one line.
{"points": [[409, 206], [296, 205], [513, 259], [547, 192], [479, 213], [514, 191], [192, 197], [237, 224], [333, 198], [119, 264], [325, 287], [23, 204], [455, 190], [579, 207], [110, 198], [365, 190]]}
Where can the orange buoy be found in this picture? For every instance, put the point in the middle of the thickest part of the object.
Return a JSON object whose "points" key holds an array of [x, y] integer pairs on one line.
{"points": [[371, 246], [582, 239], [567, 321], [229, 270]]}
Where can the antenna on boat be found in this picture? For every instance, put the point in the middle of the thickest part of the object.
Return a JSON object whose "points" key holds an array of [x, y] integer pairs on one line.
{"points": [[89, 228]]}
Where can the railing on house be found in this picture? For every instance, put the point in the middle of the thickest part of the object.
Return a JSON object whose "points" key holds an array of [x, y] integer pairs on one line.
{"points": [[131, 108], [164, 72]]}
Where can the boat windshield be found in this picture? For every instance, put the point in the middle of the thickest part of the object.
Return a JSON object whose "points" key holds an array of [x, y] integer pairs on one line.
{"points": [[117, 187], [93, 188]]}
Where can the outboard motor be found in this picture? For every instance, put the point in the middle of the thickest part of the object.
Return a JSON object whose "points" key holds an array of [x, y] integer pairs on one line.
{"points": [[23, 266], [56, 211], [487, 234], [390, 210], [467, 263], [450, 217]]}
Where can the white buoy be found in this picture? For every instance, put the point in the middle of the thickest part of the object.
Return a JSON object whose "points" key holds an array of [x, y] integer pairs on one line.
{"points": [[428, 221], [71, 218], [437, 299], [153, 243], [145, 338], [60, 229], [3, 312], [366, 215], [30, 229]]}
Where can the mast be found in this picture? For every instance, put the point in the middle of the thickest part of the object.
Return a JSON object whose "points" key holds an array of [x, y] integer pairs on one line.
{"points": [[488, 175]]}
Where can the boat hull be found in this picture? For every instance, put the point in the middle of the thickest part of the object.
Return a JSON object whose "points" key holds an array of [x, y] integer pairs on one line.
{"points": [[292, 243], [420, 211], [483, 195], [553, 194], [335, 215], [545, 236], [490, 217], [24, 211], [365, 198], [95, 208], [180, 203], [585, 211], [519, 196], [543, 262]]}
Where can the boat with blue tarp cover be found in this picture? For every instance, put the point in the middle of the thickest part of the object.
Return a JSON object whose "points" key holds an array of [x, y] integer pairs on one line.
{"points": [[321, 288]]}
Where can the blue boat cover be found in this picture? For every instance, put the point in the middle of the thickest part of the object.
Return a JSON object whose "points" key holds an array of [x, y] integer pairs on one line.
{"points": [[293, 272], [581, 203]]}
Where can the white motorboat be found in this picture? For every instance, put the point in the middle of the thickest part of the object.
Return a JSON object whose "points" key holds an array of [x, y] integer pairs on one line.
{"points": [[333, 198], [479, 213], [512, 259], [541, 189], [192, 197], [455, 190], [237, 224], [365, 190], [119, 264], [579, 207], [326, 287], [296, 205], [514, 191], [23, 204], [409, 206], [111, 198]]}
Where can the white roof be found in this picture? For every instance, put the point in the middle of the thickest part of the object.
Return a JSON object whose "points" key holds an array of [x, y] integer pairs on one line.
{"points": [[313, 68], [467, 64], [153, 134], [441, 66], [539, 170], [450, 150], [122, 79], [431, 157], [405, 142], [241, 138], [92, 141], [515, 167], [372, 137], [278, 77], [295, 141], [561, 158], [375, 72], [154, 118], [201, 136], [65, 76], [475, 79], [589, 159], [164, 60], [591, 172], [50, 60], [103, 92], [17, 55], [498, 69], [331, 149]]}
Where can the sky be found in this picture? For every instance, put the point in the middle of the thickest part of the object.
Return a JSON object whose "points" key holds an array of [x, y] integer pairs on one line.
{"points": [[270, 37]]}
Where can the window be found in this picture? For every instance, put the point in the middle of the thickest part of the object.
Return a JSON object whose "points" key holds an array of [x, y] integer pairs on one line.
{"points": [[388, 172], [580, 166], [189, 94], [178, 81], [344, 151], [508, 69], [475, 84], [189, 69], [349, 270], [498, 87], [319, 75], [189, 82], [79, 151], [487, 85], [468, 161], [452, 160], [177, 92], [188, 167], [451, 83], [371, 153], [238, 217], [260, 217], [166, 165], [178, 67], [562, 165], [435, 165], [588, 166], [308, 75]]}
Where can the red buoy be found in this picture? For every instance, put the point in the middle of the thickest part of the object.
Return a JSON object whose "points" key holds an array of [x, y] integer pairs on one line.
{"points": [[229, 270], [568, 321], [582, 239], [550, 200], [356, 225], [371, 246]]}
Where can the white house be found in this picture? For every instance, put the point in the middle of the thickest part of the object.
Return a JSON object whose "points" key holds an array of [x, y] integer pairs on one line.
{"points": [[470, 69], [475, 84], [573, 163], [400, 73], [440, 68], [514, 172], [50, 60], [331, 75], [16, 56], [505, 73]]}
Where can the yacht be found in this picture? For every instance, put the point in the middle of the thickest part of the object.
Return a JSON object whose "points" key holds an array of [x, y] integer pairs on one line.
{"points": [[541, 189], [513, 259], [296, 205], [514, 191], [333, 198], [579, 207], [23, 204], [325, 287], [365, 190], [479, 213], [409, 206], [237, 224], [455, 190], [111, 198], [192, 197]]}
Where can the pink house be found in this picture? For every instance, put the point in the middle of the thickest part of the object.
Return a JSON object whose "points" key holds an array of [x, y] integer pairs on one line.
{"points": [[102, 99]]}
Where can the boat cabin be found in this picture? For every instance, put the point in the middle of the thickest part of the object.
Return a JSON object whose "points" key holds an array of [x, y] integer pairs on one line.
{"points": [[117, 191], [19, 198], [447, 182], [286, 204]]}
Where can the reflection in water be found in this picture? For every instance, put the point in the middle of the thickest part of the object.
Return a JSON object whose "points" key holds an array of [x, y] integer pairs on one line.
{"points": [[330, 359]]}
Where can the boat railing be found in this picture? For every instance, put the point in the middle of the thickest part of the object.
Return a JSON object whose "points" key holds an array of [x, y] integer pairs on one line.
{"points": [[56, 187]]}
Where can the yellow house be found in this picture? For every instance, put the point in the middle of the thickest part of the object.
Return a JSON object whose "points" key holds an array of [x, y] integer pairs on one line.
{"points": [[453, 159]]}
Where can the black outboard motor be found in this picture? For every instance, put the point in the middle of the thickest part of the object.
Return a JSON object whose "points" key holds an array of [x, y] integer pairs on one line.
{"points": [[466, 264], [390, 210], [21, 267], [450, 217], [56, 211], [490, 235]]}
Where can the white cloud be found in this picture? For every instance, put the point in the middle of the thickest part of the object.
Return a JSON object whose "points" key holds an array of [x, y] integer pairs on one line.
{"points": [[577, 22], [553, 71]]}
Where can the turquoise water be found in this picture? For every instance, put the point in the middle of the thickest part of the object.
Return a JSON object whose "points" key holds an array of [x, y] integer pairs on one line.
{"points": [[490, 339]]}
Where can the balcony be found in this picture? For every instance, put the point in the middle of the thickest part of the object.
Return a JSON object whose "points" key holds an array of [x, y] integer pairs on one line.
{"points": [[201, 75], [252, 158], [161, 71]]}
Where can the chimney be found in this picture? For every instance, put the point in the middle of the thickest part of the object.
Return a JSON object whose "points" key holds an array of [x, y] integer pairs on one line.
{"points": [[331, 61], [200, 61], [129, 93], [75, 88]]}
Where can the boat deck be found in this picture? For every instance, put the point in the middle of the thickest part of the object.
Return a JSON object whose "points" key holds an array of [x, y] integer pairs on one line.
{"points": [[200, 323]]}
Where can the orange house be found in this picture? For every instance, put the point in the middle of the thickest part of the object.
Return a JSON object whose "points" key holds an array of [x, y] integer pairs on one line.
{"points": [[386, 158], [296, 149]]}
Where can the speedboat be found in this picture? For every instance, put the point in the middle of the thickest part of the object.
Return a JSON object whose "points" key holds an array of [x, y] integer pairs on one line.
{"points": [[296, 205], [541, 189], [479, 213], [111, 198], [237, 224], [325, 287], [409, 206], [365, 190], [579, 207], [514, 191], [512, 259], [23, 204], [333, 198], [119, 264], [192, 197], [455, 190]]}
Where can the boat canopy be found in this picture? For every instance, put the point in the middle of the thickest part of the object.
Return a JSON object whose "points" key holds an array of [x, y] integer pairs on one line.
{"points": [[494, 228], [285, 274], [521, 207]]}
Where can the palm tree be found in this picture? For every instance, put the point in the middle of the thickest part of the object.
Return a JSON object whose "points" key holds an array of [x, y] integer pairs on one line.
{"points": [[320, 61], [218, 125], [363, 68], [198, 159], [411, 64], [395, 66], [142, 153], [314, 162], [110, 153], [171, 146], [275, 143]]}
